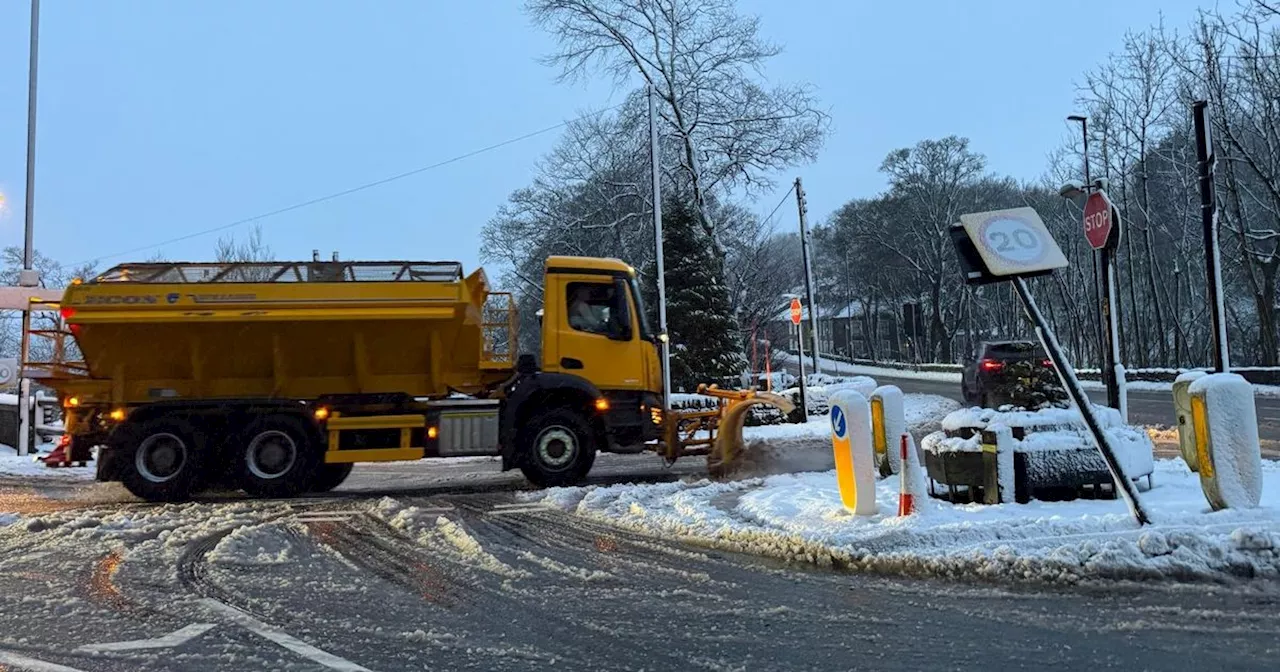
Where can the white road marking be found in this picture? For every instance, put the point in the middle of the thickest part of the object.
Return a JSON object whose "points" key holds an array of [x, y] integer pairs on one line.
{"points": [[282, 638], [524, 508], [325, 516], [519, 505], [436, 509], [21, 662], [176, 638]]}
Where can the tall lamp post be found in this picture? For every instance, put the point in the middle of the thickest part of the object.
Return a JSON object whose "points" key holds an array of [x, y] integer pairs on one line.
{"points": [[1108, 328], [28, 277], [1102, 333]]}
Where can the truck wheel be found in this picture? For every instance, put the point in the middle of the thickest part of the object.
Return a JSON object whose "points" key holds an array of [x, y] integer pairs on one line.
{"points": [[330, 476], [158, 459], [278, 458], [557, 448]]}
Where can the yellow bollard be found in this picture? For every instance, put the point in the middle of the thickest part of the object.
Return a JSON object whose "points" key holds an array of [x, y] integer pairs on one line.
{"points": [[854, 455], [1227, 451]]}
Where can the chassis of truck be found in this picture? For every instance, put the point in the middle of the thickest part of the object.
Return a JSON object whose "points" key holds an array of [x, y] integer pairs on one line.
{"points": [[277, 377]]}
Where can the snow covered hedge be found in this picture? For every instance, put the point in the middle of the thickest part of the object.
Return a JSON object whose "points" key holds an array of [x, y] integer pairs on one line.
{"points": [[1056, 440]]}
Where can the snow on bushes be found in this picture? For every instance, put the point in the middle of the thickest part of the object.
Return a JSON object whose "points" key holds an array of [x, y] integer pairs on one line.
{"points": [[1049, 430]]}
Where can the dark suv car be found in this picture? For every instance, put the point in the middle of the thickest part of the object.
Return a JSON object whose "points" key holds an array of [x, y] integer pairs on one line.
{"points": [[1001, 368]]}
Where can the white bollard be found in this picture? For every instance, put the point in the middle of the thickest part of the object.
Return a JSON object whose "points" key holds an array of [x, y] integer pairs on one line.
{"points": [[854, 456], [1228, 452], [888, 423]]}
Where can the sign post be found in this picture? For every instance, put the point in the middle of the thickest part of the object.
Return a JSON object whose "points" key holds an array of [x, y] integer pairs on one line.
{"points": [[1209, 222], [1102, 230], [1014, 244], [796, 313]]}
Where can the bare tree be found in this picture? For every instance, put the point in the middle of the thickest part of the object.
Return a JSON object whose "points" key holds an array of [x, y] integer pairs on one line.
{"points": [[703, 59]]}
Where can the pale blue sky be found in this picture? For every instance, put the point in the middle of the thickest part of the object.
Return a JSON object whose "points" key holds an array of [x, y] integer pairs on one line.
{"points": [[159, 118]]}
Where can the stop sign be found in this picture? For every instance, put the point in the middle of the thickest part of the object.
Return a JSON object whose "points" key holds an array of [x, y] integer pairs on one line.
{"points": [[1097, 219], [795, 311]]}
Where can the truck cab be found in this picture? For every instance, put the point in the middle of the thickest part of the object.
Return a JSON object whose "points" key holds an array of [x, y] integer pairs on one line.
{"points": [[599, 353]]}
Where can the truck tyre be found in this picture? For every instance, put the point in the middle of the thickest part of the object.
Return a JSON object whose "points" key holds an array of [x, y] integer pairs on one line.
{"points": [[557, 448], [277, 457], [158, 459], [330, 476]]}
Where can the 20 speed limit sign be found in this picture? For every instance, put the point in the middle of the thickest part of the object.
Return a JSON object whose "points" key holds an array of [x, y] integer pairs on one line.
{"points": [[1013, 242]]}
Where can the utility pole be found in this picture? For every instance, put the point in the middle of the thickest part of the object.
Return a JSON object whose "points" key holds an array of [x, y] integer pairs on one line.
{"points": [[28, 276], [1209, 220], [655, 157], [808, 275]]}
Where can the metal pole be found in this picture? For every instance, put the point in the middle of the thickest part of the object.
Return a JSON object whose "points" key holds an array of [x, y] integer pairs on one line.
{"points": [[1209, 220], [1051, 346], [808, 274], [655, 160], [1093, 254], [804, 405], [32, 66], [1110, 315], [28, 251]]}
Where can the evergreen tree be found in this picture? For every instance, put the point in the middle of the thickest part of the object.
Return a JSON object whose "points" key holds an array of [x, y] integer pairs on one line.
{"points": [[705, 343]]}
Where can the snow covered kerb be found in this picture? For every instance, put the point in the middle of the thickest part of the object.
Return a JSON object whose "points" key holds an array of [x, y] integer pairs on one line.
{"points": [[800, 518], [1051, 448]]}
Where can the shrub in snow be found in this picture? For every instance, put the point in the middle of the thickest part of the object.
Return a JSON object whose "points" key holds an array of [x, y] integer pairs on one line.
{"points": [[1232, 478], [1030, 385], [1056, 446]]}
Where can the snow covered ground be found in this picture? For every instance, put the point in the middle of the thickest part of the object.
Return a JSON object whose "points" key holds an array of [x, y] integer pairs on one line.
{"points": [[12, 464], [799, 517], [831, 366]]}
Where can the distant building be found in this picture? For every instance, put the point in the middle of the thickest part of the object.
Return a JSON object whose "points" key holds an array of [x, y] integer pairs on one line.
{"points": [[850, 332]]}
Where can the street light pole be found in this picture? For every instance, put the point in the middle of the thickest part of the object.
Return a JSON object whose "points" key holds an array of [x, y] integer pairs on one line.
{"points": [[27, 278], [1104, 290], [655, 158]]}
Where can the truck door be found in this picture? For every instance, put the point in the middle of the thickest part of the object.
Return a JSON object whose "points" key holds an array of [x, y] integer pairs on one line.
{"points": [[596, 333]]}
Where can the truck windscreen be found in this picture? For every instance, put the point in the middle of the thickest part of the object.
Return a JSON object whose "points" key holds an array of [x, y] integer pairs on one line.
{"points": [[643, 318]]}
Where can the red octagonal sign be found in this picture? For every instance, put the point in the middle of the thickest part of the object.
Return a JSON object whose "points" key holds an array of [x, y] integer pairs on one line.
{"points": [[1097, 219]]}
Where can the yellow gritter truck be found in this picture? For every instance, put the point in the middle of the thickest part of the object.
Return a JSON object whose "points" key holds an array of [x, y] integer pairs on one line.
{"points": [[277, 377]]}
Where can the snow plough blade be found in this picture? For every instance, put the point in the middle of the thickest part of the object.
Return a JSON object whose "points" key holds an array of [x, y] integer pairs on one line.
{"points": [[718, 433]]}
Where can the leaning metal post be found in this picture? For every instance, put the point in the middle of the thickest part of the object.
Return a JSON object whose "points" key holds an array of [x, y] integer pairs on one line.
{"points": [[1078, 396]]}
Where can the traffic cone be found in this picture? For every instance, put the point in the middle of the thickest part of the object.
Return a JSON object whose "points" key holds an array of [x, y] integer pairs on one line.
{"points": [[906, 493]]}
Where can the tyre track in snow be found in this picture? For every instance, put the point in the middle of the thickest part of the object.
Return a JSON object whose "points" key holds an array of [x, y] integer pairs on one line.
{"points": [[714, 610], [484, 602]]}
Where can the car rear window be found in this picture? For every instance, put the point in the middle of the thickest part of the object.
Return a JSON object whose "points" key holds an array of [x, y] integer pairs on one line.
{"points": [[1015, 350]]}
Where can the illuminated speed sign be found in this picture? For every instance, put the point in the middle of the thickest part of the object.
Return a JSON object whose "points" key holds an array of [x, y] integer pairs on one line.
{"points": [[1013, 242]]}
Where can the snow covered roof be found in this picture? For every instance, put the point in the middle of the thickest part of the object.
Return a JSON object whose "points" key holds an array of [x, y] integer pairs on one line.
{"points": [[854, 309]]}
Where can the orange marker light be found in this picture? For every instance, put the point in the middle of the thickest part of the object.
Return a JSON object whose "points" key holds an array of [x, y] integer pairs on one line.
{"points": [[432, 433], [602, 404], [322, 413], [117, 414], [73, 401]]}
